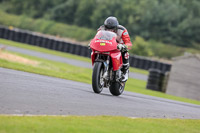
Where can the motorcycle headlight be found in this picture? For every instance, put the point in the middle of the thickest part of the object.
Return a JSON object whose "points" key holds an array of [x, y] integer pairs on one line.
{"points": [[97, 52]]}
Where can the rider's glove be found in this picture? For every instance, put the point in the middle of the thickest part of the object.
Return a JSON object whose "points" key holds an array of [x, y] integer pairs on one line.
{"points": [[122, 47]]}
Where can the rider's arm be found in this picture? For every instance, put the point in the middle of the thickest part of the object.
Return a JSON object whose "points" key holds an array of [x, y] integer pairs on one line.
{"points": [[126, 39]]}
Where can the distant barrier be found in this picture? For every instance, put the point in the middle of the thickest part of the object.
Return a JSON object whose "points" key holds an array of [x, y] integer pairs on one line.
{"points": [[157, 80], [53, 43]]}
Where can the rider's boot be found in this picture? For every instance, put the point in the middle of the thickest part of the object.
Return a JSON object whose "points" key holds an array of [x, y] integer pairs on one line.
{"points": [[125, 71]]}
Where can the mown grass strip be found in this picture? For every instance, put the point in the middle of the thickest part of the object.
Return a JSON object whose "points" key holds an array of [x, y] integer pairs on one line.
{"points": [[95, 124], [50, 68], [65, 71]]}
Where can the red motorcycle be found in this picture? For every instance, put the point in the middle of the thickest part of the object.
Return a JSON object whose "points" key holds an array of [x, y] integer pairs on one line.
{"points": [[107, 63]]}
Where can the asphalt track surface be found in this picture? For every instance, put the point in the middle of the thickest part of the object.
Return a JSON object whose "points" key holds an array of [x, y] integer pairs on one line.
{"points": [[25, 93], [64, 60]]}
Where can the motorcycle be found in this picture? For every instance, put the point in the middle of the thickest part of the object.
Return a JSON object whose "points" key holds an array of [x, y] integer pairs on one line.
{"points": [[107, 63]]}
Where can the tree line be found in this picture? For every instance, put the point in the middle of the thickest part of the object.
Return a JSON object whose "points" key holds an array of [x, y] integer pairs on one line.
{"points": [[174, 22]]}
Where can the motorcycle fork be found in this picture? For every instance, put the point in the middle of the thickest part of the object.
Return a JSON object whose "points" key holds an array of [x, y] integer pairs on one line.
{"points": [[106, 68]]}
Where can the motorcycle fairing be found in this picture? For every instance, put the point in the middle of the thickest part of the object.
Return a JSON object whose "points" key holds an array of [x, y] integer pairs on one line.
{"points": [[116, 60], [105, 43]]}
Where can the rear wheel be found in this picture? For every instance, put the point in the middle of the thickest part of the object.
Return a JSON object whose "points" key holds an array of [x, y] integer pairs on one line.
{"points": [[97, 77], [116, 88]]}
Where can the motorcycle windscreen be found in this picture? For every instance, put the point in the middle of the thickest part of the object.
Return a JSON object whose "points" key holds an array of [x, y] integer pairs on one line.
{"points": [[104, 41]]}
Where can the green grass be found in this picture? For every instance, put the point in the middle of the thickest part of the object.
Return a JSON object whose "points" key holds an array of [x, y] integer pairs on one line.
{"points": [[50, 68], [65, 71], [136, 70], [57, 53], [97, 124]]}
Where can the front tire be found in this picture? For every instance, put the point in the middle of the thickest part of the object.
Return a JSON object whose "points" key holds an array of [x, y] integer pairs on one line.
{"points": [[116, 88], [97, 77]]}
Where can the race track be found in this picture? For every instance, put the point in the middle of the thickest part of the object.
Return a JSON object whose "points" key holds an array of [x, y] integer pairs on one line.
{"points": [[27, 93]]}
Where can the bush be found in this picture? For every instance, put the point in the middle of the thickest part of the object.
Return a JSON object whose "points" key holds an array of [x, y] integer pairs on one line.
{"points": [[141, 47], [165, 50], [153, 48], [47, 27]]}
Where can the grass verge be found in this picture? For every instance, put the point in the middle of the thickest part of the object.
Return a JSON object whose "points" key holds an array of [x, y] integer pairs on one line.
{"points": [[97, 124], [57, 53], [65, 71], [49, 68]]}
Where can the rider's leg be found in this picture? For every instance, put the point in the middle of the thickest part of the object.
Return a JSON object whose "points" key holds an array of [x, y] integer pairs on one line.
{"points": [[125, 69]]}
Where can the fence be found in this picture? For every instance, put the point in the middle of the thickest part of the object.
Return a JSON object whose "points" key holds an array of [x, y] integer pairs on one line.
{"points": [[53, 43]]}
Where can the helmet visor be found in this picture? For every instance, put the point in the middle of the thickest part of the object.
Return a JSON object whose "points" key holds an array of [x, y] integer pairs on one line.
{"points": [[110, 27]]}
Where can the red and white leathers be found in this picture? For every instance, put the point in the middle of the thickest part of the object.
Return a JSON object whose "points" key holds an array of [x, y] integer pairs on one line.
{"points": [[122, 38], [122, 35]]}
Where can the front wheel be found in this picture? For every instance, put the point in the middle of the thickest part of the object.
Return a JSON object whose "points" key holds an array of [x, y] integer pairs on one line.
{"points": [[116, 88], [97, 77]]}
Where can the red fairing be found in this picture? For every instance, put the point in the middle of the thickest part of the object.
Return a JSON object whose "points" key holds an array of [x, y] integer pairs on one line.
{"points": [[116, 60], [105, 43], [93, 57], [126, 38], [97, 43]]}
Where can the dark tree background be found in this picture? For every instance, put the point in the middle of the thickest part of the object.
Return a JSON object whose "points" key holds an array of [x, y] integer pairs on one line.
{"points": [[175, 22]]}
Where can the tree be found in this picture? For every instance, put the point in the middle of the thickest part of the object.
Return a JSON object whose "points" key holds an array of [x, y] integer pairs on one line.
{"points": [[83, 12], [170, 21], [65, 12]]}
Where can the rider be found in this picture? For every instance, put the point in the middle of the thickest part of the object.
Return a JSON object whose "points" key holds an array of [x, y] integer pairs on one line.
{"points": [[123, 39]]}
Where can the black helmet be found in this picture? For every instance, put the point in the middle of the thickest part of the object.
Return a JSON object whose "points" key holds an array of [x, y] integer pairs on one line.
{"points": [[111, 23]]}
